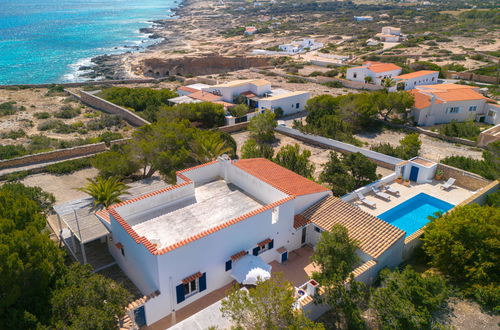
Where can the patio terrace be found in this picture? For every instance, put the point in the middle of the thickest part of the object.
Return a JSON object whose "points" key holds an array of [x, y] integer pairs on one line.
{"points": [[455, 195]]}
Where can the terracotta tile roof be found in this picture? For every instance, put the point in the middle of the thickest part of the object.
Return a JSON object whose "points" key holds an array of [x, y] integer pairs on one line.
{"points": [[279, 177], [383, 67], [205, 96], [415, 74], [373, 235], [299, 221], [188, 89], [445, 93], [421, 100], [248, 94], [104, 215], [264, 242], [446, 86], [238, 255], [191, 278]]}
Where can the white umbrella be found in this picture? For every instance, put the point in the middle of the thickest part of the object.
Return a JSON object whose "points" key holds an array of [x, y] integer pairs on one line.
{"points": [[256, 275], [250, 269]]}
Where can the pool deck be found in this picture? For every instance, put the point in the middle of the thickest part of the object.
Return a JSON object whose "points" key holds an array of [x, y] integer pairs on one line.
{"points": [[454, 196]]}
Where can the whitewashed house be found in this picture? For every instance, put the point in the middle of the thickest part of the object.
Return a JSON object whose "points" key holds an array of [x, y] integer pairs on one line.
{"points": [[223, 219], [363, 18], [442, 103], [376, 70], [304, 45], [411, 80]]}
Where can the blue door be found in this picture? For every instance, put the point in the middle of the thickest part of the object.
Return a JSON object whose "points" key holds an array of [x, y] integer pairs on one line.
{"points": [[140, 316], [284, 257], [414, 173]]}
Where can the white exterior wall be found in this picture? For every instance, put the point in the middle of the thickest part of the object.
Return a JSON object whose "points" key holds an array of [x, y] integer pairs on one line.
{"points": [[378, 77], [305, 201], [140, 266], [203, 174], [424, 173], [210, 253], [288, 104], [492, 112], [359, 74], [436, 113], [229, 93], [428, 79]]}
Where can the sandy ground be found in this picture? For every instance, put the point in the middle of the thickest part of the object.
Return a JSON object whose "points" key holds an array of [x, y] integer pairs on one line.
{"points": [[468, 315], [319, 156], [62, 186], [36, 101], [432, 148]]}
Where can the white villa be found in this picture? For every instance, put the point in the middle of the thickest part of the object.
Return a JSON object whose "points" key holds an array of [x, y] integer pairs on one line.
{"points": [[442, 103], [257, 93], [304, 45], [376, 70], [411, 80], [390, 34], [223, 221]]}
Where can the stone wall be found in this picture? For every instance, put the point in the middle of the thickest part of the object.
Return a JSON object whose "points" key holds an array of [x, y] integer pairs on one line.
{"points": [[55, 155], [234, 128], [480, 196], [463, 178], [488, 136], [101, 104]]}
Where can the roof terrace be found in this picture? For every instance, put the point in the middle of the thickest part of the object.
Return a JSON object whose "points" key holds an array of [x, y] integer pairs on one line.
{"points": [[212, 204]]}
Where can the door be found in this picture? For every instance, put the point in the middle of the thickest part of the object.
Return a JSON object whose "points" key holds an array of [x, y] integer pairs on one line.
{"points": [[140, 316], [414, 173], [284, 257], [303, 240]]}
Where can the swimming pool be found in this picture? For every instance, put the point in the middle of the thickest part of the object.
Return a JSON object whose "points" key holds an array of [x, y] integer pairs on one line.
{"points": [[412, 215]]}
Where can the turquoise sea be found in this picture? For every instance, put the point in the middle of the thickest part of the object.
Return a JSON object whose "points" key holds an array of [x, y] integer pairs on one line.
{"points": [[46, 41]]}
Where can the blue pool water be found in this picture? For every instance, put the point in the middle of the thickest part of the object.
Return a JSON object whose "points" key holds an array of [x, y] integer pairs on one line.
{"points": [[45, 41], [412, 215]]}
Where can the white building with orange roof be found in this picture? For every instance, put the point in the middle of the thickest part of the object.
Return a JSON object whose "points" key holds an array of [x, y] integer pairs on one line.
{"points": [[375, 70], [222, 222], [442, 103], [411, 80]]}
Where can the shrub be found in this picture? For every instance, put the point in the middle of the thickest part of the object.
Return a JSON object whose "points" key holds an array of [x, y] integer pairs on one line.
{"points": [[116, 163], [12, 151], [239, 110], [67, 112], [291, 157], [333, 84], [252, 149], [107, 137], [467, 129], [49, 125], [13, 134], [55, 90], [488, 167], [104, 121], [296, 80], [16, 176], [69, 166], [39, 143], [493, 199], [457, 57], [7, 108], [409, 147], [41, 115]]}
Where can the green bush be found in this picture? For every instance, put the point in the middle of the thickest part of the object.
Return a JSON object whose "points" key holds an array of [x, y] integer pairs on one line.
{"points": [[107, 137], [67, 112], [105, 121], [467, 129], [39, 143], [333, 84], [13, 134], [16, 176], [409, 147], [493, 199], [8, 108], [116, 163], [41, 115], [12, 151], [69, 166], [204, 114], [49, 125], [488, 167], [55, 90]]}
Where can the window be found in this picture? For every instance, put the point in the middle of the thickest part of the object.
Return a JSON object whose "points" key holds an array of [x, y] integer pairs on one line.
{"points": [[229, 265], [190, 288], [454, 110], [354, 75], [491, 114], [297, 105], [263, 248], [317, 229], [433, 78], [123, 252], [473, 108]]}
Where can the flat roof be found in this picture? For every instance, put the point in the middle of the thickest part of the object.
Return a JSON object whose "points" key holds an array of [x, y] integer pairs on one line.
{"points": [[236, 83], [214, 203], [283, 95]]}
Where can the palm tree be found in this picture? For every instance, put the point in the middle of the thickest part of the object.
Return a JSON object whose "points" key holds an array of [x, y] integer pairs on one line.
{"points": [[368, 79], [389, 82], [208, 147], [105, 192]]}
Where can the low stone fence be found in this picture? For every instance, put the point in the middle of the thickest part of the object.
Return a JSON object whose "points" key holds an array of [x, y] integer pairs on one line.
{"points": [[233, 128], [55, 155], [99, 103], [488, 136], [431, 134], [472, 77], [463, 178], [377, 157]]}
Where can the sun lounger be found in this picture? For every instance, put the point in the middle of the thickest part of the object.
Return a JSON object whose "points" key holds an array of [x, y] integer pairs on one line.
{"points": [[448, 184], [392, 190], [366, 201], [381, 194]]}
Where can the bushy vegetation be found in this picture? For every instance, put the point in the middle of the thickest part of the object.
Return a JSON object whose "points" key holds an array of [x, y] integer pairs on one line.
{"points": [[140, 99], [67, 112], [463, 244], [488, 167], [409, 147], [348, 172], [12, 151], [408, 300], [466, 129], [203, 114], [13, 134], [253, 149], [69, 166], [9, 108], [292, 158], [39, 291], [262, 126]]}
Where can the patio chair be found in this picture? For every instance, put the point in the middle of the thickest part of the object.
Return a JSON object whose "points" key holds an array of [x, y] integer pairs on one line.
{"points": [[366, 201], [448, 184], [381, 194], [392, 190]]}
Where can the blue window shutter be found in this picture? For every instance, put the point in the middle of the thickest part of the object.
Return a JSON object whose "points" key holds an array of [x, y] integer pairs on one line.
{"points": [[271, 244], [229, 265], [203, 282], [180, 293], [255, 251]]}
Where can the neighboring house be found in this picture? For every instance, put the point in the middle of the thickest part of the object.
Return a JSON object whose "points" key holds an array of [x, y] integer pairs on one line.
{"points": [[376, 70], [442, 103], [390, 34], [249, 30], [300, 46], [189, 89], [411, 80], [180, 243], [363, 18], [289, 102], [391, 30]]}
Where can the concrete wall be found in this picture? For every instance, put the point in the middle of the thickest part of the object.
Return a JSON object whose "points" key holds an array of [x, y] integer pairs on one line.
{"points": [[428, 79], [55, 155], [488, 136], [463, 178], [101, 104], [234, 128], [437, 113], [288, 104], [492, 112]]}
